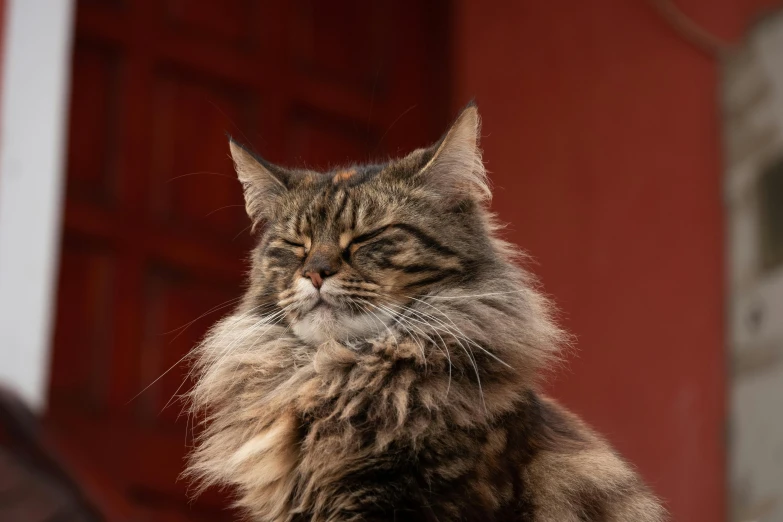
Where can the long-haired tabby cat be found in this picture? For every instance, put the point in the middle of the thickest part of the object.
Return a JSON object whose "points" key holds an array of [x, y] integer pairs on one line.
{"points": [[383, 363]]}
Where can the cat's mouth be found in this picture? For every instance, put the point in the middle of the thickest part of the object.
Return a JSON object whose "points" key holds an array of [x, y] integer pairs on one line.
{"points": [[331, 313], [324, 301], [319, 304], [323, 308], [327, 317]]}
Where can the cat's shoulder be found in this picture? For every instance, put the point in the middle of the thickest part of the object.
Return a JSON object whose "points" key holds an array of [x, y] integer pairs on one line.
{"points": [[575, 474]]}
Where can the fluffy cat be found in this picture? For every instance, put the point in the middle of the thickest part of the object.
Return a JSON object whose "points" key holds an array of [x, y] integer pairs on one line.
{"points": [[383, 364]]}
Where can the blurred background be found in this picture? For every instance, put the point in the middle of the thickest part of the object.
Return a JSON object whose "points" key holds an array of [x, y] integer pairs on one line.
{"points": [[635, 146]]}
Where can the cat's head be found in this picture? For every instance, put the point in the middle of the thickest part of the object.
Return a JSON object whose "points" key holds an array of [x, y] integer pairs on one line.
{"points": [[342, 251]]}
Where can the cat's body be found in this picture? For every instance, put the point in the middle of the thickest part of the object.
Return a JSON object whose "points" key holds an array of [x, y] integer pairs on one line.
{"points": [[383, 364]]}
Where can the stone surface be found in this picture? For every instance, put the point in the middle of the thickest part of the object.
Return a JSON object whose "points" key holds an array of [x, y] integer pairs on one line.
{"points": [[752, 102]]}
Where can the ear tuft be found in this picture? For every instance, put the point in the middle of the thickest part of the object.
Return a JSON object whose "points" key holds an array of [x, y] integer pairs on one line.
{"points": [[456, 168], [261, 181]]}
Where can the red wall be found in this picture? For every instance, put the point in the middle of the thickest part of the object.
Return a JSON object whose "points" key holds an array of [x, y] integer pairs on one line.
{"points": [[601, 133]]}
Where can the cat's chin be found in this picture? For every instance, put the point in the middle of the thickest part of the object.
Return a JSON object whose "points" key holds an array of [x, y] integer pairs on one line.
{"points": [[325, 323]]}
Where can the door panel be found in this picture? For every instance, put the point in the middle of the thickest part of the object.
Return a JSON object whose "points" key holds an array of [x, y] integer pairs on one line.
{"points": [[189, 120], [95, 88]]}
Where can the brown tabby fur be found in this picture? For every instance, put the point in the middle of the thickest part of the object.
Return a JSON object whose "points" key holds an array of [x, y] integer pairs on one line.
{"points": [[406, 388]]}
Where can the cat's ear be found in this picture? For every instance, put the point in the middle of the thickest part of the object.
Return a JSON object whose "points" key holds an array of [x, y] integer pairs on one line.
{"points": [[455, 169], [261, 181]]}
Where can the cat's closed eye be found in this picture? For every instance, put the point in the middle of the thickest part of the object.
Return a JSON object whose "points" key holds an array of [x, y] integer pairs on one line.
{"points": [[363, 238], [295, 244]]}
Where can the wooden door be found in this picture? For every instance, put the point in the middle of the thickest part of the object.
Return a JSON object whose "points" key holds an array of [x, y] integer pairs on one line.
{"points": [[155, 234]]}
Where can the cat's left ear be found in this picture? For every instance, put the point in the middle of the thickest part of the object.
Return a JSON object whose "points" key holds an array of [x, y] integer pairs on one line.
{"points": [[455, 169], [262, 182]]}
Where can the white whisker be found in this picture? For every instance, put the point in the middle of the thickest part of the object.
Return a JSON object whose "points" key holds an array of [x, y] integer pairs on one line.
{"points": [[261, 335], [224, 304], [412, 335], [498, 359], [490, 294], [443, 346], [190, 372], [363, 302], [459, 338]]}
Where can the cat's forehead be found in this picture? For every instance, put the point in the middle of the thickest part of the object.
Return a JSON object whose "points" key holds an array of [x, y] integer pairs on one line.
{"points": [[343, 175], [349, 196], [353, 175], [371, 174], [336, 204]]}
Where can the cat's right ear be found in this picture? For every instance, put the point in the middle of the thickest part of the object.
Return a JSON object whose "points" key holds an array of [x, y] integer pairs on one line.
{"points": [[261, 181]]}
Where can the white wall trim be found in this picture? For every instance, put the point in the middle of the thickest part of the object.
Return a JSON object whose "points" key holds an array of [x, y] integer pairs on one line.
{"points": [[33, 126]]}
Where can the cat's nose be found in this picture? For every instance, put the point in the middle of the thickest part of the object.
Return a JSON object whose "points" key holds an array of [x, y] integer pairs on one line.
{"points": [[321, 264], [318, 277]]}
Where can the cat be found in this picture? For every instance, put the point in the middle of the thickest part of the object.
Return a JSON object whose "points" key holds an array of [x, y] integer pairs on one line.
{"points": [[385, 361]]}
